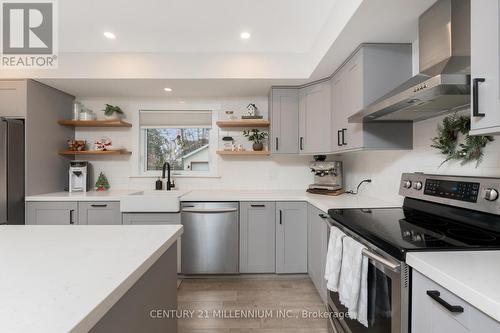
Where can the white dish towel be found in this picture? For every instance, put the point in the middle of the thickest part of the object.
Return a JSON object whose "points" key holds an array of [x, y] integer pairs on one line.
{"points": [[353, 284], [334, 259]]}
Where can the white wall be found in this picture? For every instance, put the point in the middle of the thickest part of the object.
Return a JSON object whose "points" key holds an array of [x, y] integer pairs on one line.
{"points": [[243, 172], [385, 168]]}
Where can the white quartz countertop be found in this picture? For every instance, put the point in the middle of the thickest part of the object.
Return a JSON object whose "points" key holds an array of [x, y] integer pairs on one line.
{"points": [[471, 275], [65, 278], [321, 202], [112, 195]]}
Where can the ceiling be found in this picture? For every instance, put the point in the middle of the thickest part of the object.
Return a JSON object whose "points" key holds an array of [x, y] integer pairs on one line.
{"points": [[155, 88], [194, 46], [192, 26]]}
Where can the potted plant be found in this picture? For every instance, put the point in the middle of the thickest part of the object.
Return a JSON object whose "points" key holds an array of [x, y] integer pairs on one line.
{"points": [[256, 137], [112, 112]]}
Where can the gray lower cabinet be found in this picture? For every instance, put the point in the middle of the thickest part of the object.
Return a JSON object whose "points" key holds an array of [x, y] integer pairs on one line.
{"points": [[155, 219], [48, 213], [291, 237], [99, 213], [257, 237], [429, 316], [317, 247]]}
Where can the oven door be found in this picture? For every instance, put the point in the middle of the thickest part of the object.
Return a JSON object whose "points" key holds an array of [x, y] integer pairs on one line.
{"points": [[387, 306]]}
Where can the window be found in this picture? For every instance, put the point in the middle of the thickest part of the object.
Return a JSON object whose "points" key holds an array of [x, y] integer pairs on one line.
{"points": [[181, 138]]}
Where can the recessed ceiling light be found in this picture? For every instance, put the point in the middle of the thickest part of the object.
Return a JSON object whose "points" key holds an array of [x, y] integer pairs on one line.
{"points": [[245, 35], [182, 102], [109, 35], [167, 89]]}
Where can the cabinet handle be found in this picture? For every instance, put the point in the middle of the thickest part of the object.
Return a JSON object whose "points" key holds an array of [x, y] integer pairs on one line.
{"points": [[435, 295], [258, 206], [344, 130], [323, 216], [281, 216], [71, 216], [99, 206], [301, 143], [475, 98], [338, 138], [277, 144]]}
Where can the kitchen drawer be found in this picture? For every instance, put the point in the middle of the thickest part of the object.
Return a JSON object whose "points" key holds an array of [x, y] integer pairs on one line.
{"points": [[99, 213], [151, 218]]}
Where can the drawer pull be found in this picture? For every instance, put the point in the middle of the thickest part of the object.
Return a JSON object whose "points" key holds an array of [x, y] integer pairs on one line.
{"points": [[99, 206], [258, 206], [435, 295]]}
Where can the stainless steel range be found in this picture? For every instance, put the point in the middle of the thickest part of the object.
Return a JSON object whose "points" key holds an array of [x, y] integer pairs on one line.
{"points": [[439, 213]]}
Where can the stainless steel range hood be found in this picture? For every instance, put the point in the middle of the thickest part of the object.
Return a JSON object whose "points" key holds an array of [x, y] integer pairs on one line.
{"points": [[443, 84]]}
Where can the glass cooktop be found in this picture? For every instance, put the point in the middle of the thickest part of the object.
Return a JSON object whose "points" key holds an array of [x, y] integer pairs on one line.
{"points": [[422, 226]]}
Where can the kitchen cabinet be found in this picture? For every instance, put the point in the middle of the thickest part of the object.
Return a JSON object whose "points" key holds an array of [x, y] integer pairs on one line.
{"points": [[13, 97], [48, 213], [284, 115], [291, 237], [485, 67], [99, 213], [431, 315], [315, 118], [156, 219], [257, 237], [317, 247], [370, 73]]}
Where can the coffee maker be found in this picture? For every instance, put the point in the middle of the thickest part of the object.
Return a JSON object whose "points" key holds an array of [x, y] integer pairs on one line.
{"points": [[327, 176], [79, 176]]}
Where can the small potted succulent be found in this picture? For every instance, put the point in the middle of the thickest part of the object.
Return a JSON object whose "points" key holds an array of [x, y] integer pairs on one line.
{"points": [[112, 112], [256, 137]]}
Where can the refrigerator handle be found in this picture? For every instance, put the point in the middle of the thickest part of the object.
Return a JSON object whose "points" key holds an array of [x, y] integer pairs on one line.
{"points": [[3, 171]]}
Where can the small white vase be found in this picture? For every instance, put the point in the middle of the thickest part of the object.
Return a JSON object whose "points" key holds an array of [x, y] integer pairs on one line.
{"points": [[114, 116]]}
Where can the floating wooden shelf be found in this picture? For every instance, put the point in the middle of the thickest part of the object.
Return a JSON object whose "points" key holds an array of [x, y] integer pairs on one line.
{"points": [[244, 153], [94, 123], [244, 123], [94, 152]]}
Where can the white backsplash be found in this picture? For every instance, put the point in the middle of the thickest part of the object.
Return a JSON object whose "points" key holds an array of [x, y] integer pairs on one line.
{"points": [[274, 172], [385, 167]]}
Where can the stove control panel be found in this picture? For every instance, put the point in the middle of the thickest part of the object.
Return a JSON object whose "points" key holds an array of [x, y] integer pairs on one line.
{"points": [[457, 190], [477, 193]]}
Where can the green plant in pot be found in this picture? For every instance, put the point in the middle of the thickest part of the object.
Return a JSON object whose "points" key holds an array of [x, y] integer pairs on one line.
{"points": [[256, 136], [112, 112]]}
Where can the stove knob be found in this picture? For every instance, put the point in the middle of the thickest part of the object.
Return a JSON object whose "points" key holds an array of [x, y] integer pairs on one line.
{"points": [[417, 238], [406, 233], [490, 194], [407, 184], [418, 186]]}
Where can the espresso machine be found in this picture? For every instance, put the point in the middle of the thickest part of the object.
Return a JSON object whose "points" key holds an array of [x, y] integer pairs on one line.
{"points": [[79, 176], [327, 176]]}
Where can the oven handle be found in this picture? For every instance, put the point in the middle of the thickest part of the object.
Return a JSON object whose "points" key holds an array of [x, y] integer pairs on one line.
{"points": [[369, 254]]}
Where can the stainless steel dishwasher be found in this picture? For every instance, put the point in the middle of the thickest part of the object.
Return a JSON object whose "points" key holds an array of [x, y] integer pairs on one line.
{"points": [[210, 242]]}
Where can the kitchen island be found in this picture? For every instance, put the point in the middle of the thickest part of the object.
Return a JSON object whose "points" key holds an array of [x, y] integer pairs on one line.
{"points": [[87, 278]]}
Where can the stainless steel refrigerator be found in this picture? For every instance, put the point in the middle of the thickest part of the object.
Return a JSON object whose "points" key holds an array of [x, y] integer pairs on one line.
{"points": [[11, 171]]}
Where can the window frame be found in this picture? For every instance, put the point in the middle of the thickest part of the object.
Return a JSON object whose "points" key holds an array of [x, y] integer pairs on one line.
{"points": [[212, 160]]}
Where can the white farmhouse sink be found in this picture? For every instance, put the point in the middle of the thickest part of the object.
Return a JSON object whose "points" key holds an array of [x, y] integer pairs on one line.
{"points": [[152, 202]]}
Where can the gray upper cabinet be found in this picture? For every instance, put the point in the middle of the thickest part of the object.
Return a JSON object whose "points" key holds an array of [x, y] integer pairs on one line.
{"points": [[284, 108], [257, 237], [51, 213], [485, 66], [99, 213], [13, 97], [315, 118], [291, 237], [317, 246], [370, 73], [430, 316]]}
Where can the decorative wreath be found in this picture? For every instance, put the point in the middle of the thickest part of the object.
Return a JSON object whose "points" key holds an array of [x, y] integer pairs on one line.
{"points": [[447, 141]]}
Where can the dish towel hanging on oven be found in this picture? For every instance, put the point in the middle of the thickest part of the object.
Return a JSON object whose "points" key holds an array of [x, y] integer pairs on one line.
{"points": [[353, 284], [334, 259]]}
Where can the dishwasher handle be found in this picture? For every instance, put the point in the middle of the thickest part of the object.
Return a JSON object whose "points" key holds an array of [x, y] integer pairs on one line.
{"points": [[209, 210]]}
